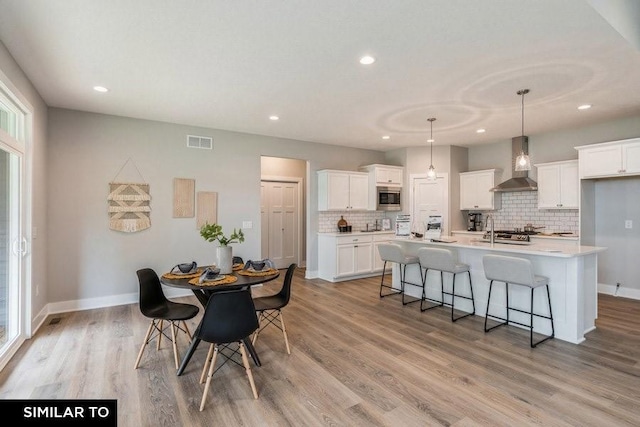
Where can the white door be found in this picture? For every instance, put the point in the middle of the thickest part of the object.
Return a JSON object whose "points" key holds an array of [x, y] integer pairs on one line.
{"points": [[430, 198], [280, 231]]}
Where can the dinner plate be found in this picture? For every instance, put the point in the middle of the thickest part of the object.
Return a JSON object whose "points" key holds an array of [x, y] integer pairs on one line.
{"points": [[215, 279], [180, 273]]}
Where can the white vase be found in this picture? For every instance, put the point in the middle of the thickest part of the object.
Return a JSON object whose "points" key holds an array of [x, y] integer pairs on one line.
{"points": [[224, 255]]}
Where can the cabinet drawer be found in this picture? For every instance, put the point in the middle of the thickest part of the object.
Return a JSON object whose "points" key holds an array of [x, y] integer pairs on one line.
{"points": [[343, 240]]}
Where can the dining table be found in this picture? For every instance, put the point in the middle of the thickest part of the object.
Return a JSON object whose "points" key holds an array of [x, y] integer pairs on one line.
{"points": [[240, 278]]}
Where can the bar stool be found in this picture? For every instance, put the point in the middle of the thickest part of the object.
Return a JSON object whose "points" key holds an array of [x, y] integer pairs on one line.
{"points": [[444, 260], [392, 252], [515, 271]]}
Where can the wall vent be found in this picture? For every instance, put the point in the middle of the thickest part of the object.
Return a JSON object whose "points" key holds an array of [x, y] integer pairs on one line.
{"points": [[205, 142]]}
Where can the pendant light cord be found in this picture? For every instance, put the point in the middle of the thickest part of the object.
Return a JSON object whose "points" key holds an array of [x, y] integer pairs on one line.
{"points": [[523, 92]]}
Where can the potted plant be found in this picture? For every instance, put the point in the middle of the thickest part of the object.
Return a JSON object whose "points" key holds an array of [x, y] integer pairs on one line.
{"points": [[224, 252]]}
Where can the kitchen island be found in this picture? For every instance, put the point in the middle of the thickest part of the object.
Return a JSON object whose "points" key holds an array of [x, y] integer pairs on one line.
{"points": [[572, 271]]}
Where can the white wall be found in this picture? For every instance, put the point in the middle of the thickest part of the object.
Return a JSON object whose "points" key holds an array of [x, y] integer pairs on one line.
{"points": [[12, 76], [87, 260]]}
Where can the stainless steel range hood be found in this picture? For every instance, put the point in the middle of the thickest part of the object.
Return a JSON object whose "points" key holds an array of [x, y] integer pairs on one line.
{"points": [[520, 181]]}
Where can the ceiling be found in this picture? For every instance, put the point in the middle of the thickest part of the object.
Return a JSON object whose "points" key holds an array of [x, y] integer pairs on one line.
{"points": [[231, 64]]}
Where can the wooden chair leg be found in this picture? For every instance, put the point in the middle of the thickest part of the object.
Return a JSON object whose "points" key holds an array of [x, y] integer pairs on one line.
{"points": [[284, 331], [255, 334], [144, 344], [175, 344], [186, 328], [247, 367], [160, 334], [209, 375], [210, 354]]}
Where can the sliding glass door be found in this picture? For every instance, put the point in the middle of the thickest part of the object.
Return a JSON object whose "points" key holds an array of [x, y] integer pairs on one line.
{"points": [[12, 243], [11, 248]]}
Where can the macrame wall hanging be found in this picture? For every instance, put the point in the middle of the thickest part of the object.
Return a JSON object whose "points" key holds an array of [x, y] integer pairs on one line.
{"points": [[129, 204]]}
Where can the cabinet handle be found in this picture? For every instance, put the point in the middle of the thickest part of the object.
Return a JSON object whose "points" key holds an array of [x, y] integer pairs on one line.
{"points": [[475, 206], [389, 180]]}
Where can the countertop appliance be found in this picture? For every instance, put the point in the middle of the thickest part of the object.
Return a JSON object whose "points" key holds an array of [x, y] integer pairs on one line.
{"points": [[509, 236], [474, 223], [388, 198]]}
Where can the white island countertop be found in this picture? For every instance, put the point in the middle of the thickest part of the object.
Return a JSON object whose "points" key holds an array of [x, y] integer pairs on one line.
{"points": [[572, 271], [552, 249]]}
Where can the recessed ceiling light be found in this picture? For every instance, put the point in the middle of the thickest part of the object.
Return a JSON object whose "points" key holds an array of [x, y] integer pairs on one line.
{"points": [[274, 118], [481, 131], [101, 89], [584, 107], [367, 60], [386, 137]]}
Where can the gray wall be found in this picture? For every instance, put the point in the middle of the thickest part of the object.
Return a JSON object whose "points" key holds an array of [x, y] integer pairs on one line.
{"points": [[618, 200], [88, 260], [12, 76]]}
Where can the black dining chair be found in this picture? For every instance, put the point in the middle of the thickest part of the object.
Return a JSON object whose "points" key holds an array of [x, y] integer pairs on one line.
{"points": [[229, 317], [270, 308], [154, 305]]}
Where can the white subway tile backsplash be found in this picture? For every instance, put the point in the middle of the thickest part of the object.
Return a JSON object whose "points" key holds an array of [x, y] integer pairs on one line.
{"points": [[521, 208], [328, 221]]}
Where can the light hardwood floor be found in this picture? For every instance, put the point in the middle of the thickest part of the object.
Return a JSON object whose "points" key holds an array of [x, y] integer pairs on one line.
{"points": [[355, 360]]}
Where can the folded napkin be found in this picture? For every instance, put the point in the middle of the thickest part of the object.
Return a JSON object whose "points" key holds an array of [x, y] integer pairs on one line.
{"points": [[209, 274], [254, 264]]}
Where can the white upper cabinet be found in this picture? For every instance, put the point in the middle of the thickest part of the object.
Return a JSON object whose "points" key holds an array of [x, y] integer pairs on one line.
{"points": [[475, 190], [342, 190], [385, 175], [558, 185], [609, 159]]}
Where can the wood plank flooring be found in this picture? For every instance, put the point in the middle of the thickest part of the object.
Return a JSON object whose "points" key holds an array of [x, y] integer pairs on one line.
{"points": [[356, 360]]}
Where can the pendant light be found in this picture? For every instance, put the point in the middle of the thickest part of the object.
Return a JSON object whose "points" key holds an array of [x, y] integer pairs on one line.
{"points": [[523, 163], [431, 173]]}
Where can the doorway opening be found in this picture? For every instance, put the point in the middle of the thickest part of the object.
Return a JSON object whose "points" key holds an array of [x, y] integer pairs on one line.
{"points": [[283, 201]]}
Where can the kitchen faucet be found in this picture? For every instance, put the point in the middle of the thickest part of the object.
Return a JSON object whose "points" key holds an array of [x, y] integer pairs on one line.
{"points": [[493, 236]]}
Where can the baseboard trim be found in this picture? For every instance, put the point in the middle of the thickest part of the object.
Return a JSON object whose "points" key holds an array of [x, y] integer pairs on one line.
{"points": [[623, 292]]}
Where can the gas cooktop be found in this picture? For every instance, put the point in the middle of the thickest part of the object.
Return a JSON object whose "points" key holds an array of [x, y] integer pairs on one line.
{"points": [[509, 236]]}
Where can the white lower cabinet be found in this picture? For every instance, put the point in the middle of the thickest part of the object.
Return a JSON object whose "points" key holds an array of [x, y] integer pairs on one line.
{"points": [[350, 256]]}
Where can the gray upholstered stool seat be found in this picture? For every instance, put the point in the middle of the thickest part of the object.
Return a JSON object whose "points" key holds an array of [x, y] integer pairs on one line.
{"points": [[392, 252], [515, 271], [444, 260]]}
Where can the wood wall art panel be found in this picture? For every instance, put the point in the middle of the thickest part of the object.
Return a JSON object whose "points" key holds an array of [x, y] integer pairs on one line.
{"points": [[207, 210], [184, 197]]}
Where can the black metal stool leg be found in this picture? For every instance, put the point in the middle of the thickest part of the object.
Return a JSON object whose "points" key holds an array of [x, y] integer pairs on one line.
{"points": [[382, 285]]}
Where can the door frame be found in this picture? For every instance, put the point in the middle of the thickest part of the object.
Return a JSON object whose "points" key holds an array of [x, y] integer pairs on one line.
{"points": [[298, 181], [24, 146], [445, 215]]}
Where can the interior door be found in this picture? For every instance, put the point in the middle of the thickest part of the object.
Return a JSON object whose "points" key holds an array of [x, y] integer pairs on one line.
{"points": [[280, 235], [430, 198]]}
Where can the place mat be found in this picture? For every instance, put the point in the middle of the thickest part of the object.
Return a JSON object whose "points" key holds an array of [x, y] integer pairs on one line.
{"points": [[237, 267], [170, 275], [268, 272], [227, 280]]}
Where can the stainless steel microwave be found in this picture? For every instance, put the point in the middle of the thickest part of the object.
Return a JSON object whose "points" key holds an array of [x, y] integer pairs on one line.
{"points": [[388, 198]]}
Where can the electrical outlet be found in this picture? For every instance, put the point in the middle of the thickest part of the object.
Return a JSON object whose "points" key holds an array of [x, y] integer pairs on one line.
{"points": [[247, 224], [628, 224]]}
